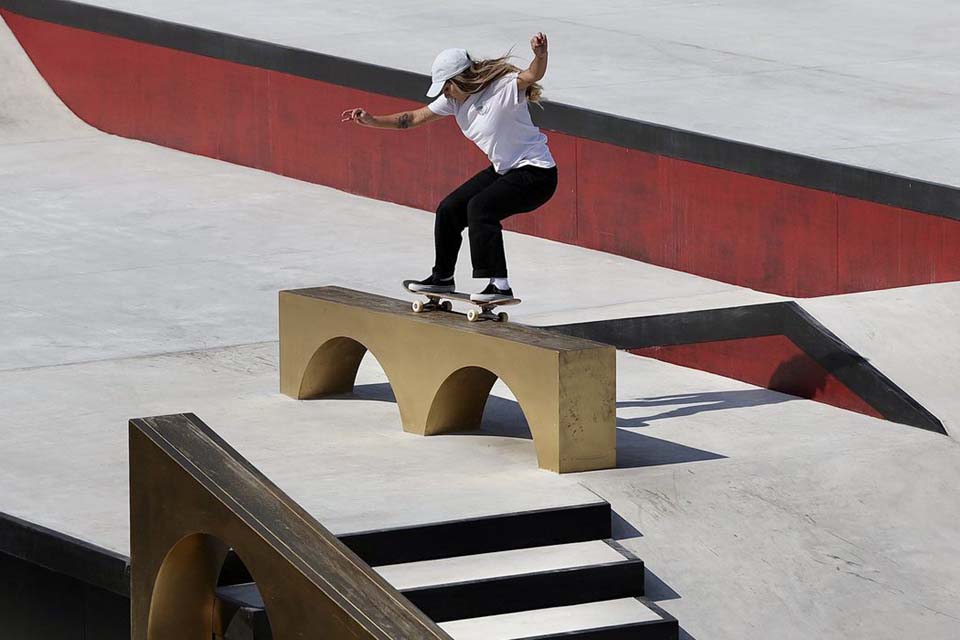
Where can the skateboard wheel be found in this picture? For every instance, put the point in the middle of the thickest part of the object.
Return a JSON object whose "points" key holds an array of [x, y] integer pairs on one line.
{"points": [[473, 315], [502, 316], [446, 305], [417, 306]]}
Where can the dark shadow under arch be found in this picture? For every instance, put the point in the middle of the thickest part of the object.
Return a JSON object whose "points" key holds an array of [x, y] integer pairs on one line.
{"points": [[459, 403], [320, 381]]}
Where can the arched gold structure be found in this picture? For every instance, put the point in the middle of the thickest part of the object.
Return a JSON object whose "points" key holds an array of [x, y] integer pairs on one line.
{"points": [[192, 496], [441, 369]]}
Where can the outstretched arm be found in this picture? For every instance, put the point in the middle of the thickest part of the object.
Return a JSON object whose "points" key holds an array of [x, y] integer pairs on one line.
{"points": [[538, 67], [402, 120]]}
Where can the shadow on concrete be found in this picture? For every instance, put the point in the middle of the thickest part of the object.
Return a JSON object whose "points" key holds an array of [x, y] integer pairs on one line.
{"points": [[698, 403], [380, 391], [621, 529], [504, 418], [656, 589], [635, 450]]}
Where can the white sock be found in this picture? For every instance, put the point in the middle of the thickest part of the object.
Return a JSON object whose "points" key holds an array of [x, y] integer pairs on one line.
{"points": [[500, 283]]}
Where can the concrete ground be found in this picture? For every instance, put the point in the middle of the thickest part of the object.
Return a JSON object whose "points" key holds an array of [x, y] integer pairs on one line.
{"points": [[873, 84], [139, 281]]}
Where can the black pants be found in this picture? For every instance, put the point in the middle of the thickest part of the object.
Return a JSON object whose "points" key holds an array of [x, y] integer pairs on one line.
{"points": [[480, 204]]}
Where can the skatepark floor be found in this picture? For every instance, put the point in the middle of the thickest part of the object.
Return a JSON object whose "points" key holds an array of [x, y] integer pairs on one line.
{"points": [[140, 281]]}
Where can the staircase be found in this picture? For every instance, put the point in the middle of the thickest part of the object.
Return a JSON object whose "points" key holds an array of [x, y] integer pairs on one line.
{"points": [[534, 575]]}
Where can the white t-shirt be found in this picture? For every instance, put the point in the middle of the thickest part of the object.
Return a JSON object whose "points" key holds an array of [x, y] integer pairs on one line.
{"points": [[497, 120]]}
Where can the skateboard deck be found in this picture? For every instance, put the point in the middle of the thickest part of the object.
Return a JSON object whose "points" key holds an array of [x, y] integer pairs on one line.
{"points": [[442, 302]]}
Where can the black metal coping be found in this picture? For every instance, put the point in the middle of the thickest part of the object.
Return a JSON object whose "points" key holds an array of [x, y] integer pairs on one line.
{"points": [[65, 554], [741, 157], [753, 321]]}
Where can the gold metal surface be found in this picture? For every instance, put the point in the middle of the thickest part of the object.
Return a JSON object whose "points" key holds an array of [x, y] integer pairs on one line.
{"points": [[191, 498], [441, 369]]}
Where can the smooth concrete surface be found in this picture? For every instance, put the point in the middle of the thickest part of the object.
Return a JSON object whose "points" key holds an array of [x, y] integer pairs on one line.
{"points": [[874, 84], [910, 334], [63, 446], [140, 281], [502, 563], [554, 620]]}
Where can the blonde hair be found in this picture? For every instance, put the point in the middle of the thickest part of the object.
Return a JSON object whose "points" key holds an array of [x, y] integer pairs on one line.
{"points": [[483, 72]]}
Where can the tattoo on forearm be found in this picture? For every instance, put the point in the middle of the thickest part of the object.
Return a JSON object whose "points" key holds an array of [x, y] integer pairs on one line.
{"points": [[404, 120]]}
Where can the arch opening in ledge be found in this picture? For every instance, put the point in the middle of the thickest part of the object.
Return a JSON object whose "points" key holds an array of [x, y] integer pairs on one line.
{"points": [[459, 402], [333, 368]]}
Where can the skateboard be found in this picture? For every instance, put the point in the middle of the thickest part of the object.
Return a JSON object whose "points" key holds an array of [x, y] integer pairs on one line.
{"points": [[442, 301]]}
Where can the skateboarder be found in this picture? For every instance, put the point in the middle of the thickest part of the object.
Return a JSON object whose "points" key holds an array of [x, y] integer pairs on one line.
{"points": [[489, 100]]}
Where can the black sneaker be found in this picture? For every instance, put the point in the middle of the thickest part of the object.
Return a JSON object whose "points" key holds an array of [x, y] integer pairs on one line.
{"points": [[433, 285], [492, 294]]}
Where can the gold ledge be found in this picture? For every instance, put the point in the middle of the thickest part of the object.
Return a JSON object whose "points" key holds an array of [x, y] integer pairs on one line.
{"points": [[441, 369]]}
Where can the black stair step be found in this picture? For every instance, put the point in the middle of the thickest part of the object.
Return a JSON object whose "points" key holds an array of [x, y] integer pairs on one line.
{"points": [[482, 535], [542, 590]]}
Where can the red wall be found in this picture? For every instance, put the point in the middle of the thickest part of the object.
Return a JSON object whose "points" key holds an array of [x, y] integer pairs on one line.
{"points": [[774, 362], [723, 225]]}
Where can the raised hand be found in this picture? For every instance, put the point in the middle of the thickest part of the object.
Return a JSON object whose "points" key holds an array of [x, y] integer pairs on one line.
{"points": [[356, 115], [539, 44]]}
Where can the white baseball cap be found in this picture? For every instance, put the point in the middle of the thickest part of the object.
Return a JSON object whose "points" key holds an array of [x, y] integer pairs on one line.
{"points": [[447, 64]]}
